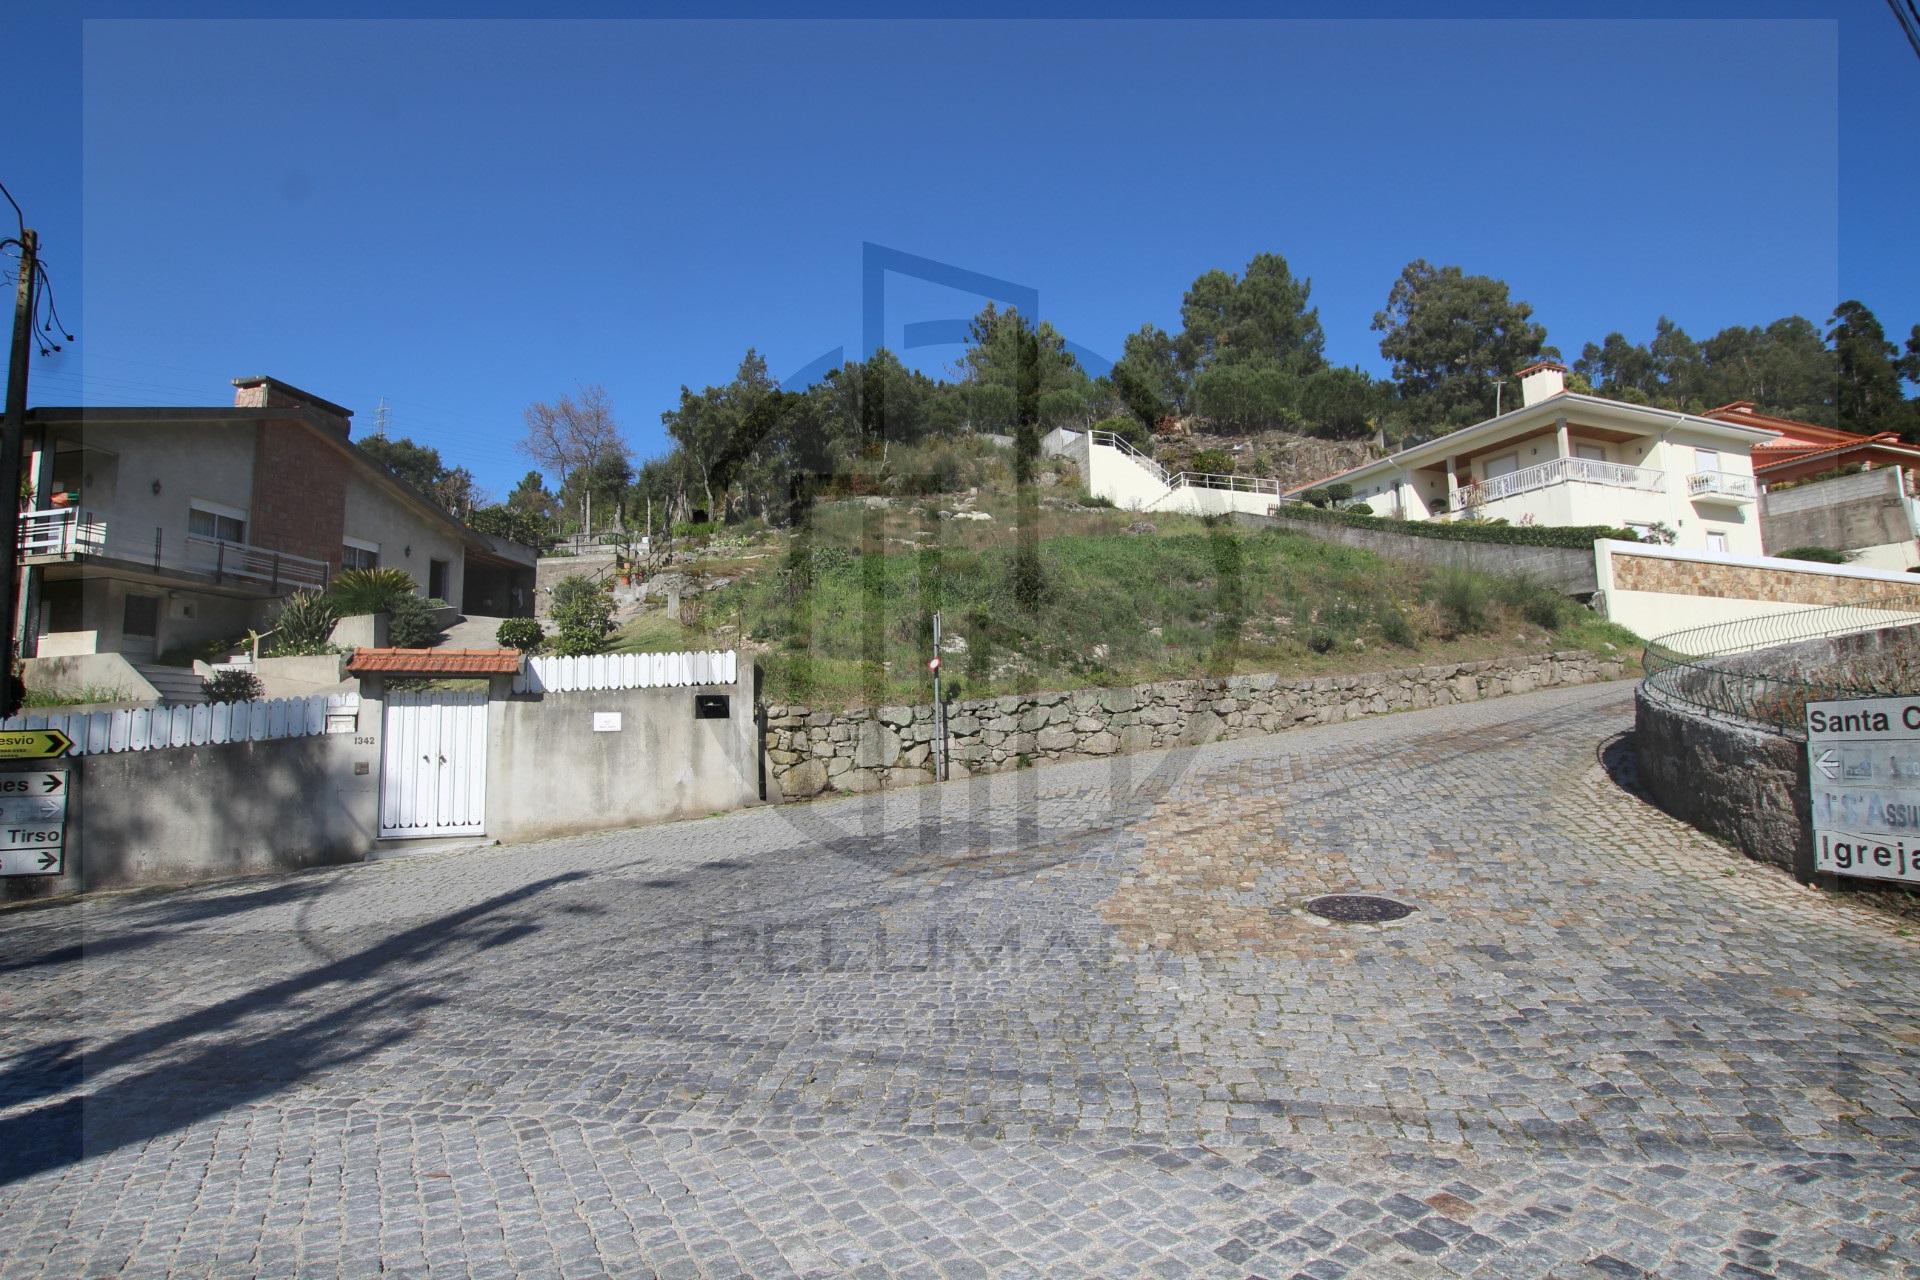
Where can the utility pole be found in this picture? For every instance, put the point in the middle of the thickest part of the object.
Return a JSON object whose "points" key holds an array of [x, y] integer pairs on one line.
{"points": [[12, 436], [380, 419]]}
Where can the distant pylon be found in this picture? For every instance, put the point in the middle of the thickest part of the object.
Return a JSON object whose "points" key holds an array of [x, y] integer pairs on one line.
{"points": [[380, 416]]}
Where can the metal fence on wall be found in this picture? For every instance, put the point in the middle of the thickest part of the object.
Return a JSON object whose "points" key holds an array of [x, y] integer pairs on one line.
{"points": [[1764, 670]]}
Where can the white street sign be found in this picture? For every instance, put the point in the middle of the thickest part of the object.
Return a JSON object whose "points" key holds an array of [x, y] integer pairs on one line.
{"points": [[32, 862], [16, 809], [44, 783], [1864, 758]]}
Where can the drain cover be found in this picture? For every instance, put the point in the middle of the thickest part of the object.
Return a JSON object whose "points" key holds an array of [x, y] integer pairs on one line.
{"points": [[1358, 908]]}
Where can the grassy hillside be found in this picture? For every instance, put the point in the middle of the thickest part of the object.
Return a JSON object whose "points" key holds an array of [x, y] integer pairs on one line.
{"points": [[843, 616]]}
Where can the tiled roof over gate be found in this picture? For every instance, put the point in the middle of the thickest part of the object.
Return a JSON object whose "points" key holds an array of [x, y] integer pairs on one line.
{"points": [[435, 662]]}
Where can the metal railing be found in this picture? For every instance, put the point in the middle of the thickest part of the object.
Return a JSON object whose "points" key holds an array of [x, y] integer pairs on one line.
{"points": [[1752, 671], [1721, 484], [1113, 441], [71, 532], [1616, 475], [1212, 480]]}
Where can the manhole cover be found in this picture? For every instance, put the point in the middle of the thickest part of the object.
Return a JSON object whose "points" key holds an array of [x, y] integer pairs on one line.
{"points": [[1358, 908]]}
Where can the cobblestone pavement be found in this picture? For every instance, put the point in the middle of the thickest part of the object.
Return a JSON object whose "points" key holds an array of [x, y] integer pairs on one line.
{"points": [[1067, 1022]]}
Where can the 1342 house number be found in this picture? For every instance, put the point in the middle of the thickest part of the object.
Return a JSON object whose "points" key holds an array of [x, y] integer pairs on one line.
{"points": [[364, 739]]}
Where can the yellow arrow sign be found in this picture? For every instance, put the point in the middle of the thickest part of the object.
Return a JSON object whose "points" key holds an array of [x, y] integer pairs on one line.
{"points": [[33, 744]]}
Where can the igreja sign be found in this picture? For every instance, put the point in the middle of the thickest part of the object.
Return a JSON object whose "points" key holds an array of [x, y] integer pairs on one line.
{"points": [[1863, 761]]}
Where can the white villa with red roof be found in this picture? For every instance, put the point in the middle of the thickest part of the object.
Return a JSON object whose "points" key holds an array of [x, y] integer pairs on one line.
{"points": [[1564, 458]]}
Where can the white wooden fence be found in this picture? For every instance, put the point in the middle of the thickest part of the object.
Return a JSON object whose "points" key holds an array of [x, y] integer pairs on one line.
{"points": [[152, 728], [628, 671]]}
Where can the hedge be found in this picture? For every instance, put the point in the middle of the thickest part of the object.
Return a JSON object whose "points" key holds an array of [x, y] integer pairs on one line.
{"points": [[1576, 537]]}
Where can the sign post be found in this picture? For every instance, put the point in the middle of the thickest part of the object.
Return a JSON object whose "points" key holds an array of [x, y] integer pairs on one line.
{"points": [[1863, 771], [939, 707]]}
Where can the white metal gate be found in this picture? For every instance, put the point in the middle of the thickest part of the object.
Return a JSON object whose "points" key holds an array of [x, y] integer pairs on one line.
{"points": [[433, 765]]}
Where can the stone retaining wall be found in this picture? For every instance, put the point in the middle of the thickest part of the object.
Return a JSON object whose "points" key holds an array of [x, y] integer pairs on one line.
{"points": [[1736, 781], [813, 751]]}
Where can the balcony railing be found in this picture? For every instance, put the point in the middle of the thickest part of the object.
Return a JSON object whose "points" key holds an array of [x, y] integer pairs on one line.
{"points": [[1617, 475], [70, 532], [1213, 480], [1729, 486]]}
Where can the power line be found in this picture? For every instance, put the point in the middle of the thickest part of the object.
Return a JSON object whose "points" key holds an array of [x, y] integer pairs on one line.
{"points": [[1908, 16]]}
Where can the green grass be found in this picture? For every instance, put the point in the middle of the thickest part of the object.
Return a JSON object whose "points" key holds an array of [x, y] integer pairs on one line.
{"points": [[852, 623], [37, 698]]}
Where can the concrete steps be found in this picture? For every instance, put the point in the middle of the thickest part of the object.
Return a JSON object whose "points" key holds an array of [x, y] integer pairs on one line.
{"points": [[176, 685]]}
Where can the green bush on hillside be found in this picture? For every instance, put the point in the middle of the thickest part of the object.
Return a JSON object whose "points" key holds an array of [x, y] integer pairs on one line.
{"points": [[1576, 537]]}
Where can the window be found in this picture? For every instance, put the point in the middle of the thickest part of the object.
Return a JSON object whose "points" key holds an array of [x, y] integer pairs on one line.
{"points": [[1716, 541], [1505, 465], [437, 579], [211, 520], [1591, 452], [1706, 460], [355, 554]]}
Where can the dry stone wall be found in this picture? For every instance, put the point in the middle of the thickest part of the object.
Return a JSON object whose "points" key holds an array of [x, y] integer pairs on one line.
{"points": [[813, 751]]}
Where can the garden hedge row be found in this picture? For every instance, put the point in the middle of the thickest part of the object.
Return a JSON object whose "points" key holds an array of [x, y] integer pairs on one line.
{"points": [[1577, 537]]}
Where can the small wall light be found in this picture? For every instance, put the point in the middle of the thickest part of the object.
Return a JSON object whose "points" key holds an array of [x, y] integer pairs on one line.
{"points": [[409, 551], [156, 488]]}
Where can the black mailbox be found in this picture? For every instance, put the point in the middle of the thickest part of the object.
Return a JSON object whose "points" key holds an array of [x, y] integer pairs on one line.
{"points": [[711, 706]]}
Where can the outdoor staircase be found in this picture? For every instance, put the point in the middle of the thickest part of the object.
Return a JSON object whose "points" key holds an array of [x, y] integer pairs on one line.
{"points": [[176, 685]]}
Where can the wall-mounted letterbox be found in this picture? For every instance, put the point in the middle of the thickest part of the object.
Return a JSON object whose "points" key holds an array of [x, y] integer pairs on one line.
{"points": [[711, 706]]}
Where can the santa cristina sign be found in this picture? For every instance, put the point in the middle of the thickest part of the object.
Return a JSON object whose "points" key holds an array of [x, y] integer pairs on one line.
{"points": [[1863, 760]]}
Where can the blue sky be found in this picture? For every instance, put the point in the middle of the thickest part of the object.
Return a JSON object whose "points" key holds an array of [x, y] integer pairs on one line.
{"points": [[465, 216]]}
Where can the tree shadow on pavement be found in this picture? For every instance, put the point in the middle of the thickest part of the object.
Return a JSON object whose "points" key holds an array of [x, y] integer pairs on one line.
{"points": [[214, 1059]]}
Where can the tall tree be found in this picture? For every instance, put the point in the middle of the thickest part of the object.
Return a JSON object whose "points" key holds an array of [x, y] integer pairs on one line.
{"points": [[1870, 399], [1450, 335], [1259, 318], [719, 427], [573, 432], [422, 469], [1148, 377]]}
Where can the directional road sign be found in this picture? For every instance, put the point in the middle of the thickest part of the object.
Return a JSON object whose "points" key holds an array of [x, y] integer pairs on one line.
{"points": [[1863, 757], [33, 820], [33, 744]]}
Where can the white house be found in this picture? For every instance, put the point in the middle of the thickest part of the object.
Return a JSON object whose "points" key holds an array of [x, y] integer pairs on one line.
{"points": [[1564, 458]]}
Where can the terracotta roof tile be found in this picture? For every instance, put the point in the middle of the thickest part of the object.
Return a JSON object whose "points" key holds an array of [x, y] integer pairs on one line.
{"points": [[435, 662]]}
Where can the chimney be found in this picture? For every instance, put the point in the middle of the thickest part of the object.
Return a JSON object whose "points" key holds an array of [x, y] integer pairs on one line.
{"points": [[1540, 381], [271, 393]]}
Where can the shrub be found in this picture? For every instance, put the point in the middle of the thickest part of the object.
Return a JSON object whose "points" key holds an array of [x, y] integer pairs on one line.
{"points": [[1095, 500], [1130, 429], [1358, 509], [695, 529], [304, 626], [232, 686], [412, 622], [1339, 491], [582, 617], [1213, 462], [523, 634], [1577, 537], [1533, 600], [368, 590], [1819, 555], [1396, 627], [1320, 640], [1462, 598]]}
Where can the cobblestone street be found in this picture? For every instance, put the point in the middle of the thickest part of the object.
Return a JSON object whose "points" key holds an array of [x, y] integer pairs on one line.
{"points": [[1066, 1022]]}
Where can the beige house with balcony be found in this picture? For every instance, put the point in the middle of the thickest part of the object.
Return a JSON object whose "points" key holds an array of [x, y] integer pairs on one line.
{"points": [[1564, 458], [152, 531]]}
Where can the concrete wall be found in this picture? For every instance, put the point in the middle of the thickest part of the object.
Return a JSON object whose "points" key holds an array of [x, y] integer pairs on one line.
{"points": [[811, 751], [407, 539], [549, 773], [1118, 477], [1865, 512], [86, 673], [213, 462], [1656, 590], [1745, 784], [553, 569], [200, 813], [1564, 568]]}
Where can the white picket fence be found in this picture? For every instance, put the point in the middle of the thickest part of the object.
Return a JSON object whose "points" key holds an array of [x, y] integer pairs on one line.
{"points": [[152, 728], [628, 671]]}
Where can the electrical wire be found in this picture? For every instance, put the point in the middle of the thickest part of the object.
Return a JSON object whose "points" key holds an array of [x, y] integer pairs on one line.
{"points": [[1908, 16]]}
